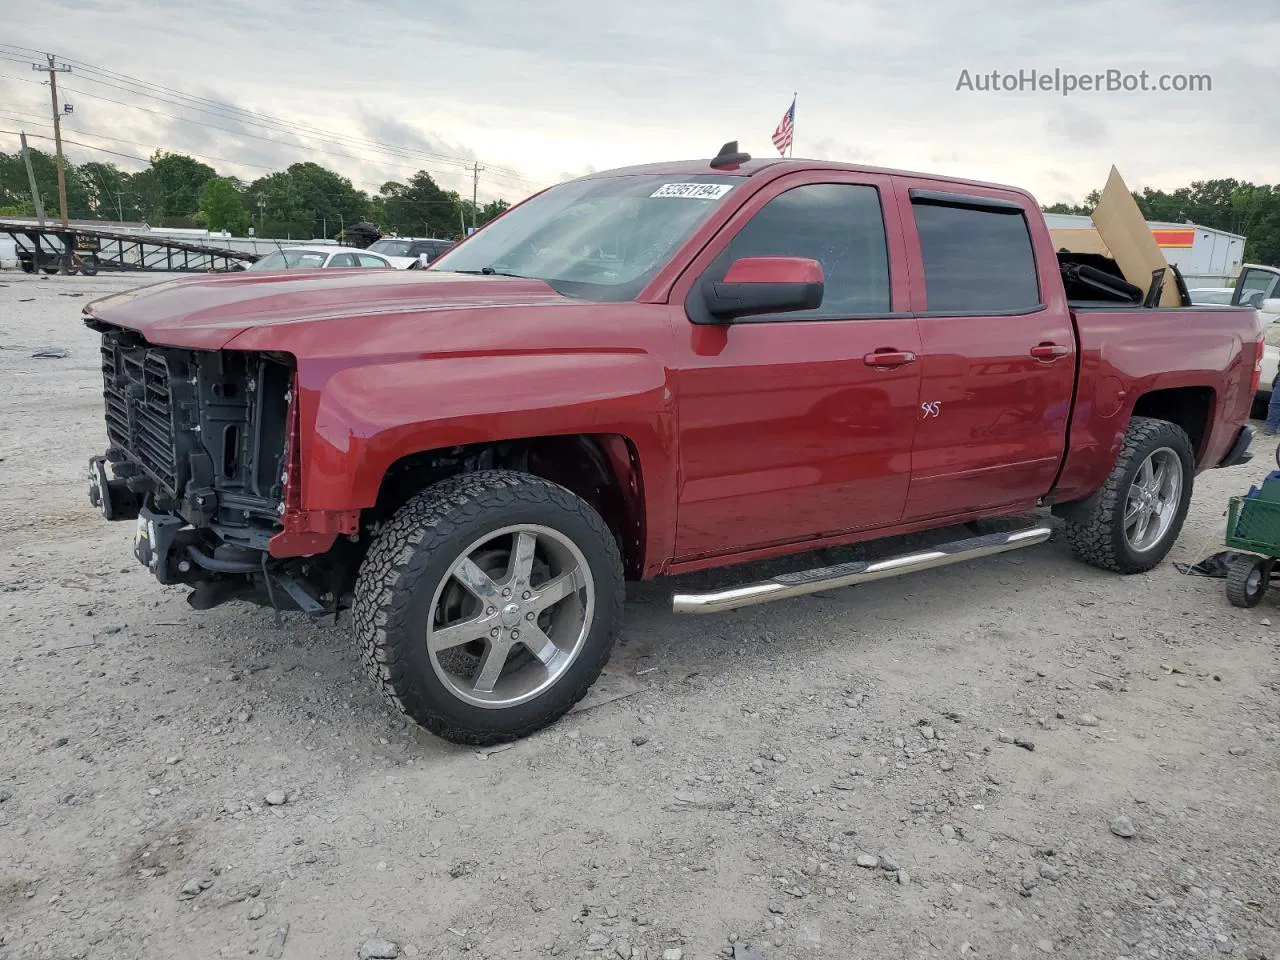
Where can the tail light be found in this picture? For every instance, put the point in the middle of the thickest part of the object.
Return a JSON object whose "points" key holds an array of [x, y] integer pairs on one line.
{"points": [[1257, 364]]}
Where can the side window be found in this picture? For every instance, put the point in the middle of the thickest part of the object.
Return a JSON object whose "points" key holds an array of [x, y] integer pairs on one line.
{"points": [[343, 260], [1257, 286], [840, 225], [976, 259], [368, 260]]}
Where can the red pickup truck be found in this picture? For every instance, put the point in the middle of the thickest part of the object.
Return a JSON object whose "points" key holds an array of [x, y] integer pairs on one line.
{"points": [[650, 371]]}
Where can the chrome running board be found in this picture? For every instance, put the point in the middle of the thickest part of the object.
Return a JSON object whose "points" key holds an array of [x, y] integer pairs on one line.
{"points": [[789, 585]]}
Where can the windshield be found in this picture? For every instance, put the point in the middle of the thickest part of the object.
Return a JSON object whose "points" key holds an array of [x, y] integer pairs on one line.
{"points": [[290, 260], [392, 248], [597, 239]]}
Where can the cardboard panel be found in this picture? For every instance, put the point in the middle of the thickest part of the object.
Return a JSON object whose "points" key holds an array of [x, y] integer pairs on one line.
{"points": [[1078, 240], [1133, 247]]}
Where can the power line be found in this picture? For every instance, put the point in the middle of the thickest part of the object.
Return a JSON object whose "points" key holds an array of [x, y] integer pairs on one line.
{"points": [[204, 124], [88, 146], [182, 100], [223, 107]]}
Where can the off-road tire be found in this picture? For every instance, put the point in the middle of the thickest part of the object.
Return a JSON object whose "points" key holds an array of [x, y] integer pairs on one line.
{"points": [[1239, 572], [413, 553], [1096, 530]]}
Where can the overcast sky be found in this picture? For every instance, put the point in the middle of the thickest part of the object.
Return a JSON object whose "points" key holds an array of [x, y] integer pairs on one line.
{"points": [[551, 89]]}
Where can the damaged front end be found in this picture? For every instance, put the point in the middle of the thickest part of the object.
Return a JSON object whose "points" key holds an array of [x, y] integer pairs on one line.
{"points": [[200, 448]]}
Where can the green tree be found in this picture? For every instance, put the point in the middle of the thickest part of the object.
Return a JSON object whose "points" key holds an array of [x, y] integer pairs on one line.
{"points": [[223, 208], [1075, 209], [15, 189], [179, 179], [106, 187], [303, 201], [420, 207]]}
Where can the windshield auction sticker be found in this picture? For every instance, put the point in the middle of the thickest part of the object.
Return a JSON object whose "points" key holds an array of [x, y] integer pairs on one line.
{"points": [[693, 191]]}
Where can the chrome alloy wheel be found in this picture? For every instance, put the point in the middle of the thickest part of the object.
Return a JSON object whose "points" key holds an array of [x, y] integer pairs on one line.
{"points": [[1153, 499], [510, 616]]}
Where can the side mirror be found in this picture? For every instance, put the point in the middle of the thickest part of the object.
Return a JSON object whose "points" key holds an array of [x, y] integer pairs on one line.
{"points": [[758, 285], [1270, 305]]}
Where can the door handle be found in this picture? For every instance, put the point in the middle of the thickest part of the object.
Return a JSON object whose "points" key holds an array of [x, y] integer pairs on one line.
{"points": [[887, 357], [1049, 351]]}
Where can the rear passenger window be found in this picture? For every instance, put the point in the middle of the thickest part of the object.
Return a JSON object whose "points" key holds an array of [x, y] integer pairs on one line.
{"points": [[837, 224], [976, 260]]}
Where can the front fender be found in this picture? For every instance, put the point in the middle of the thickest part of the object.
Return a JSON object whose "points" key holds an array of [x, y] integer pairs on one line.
{"points": [[358, 421]]}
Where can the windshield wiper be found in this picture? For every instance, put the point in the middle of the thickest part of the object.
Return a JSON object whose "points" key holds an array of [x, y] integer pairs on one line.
{"points": [[491, 272]]}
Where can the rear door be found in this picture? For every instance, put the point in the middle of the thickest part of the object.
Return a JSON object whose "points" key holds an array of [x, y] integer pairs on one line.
{"points": [[997, 346], [799, 425]]}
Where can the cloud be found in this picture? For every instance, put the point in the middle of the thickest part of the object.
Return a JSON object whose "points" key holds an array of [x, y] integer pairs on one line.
{"points": [[539, 92], [1078, 126]]}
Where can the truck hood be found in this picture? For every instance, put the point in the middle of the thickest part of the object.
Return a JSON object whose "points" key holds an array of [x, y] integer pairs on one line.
{"points": [[207, 312]]}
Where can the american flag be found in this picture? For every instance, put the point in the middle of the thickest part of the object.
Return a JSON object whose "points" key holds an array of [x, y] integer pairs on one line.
{"points": [[782, 136]]}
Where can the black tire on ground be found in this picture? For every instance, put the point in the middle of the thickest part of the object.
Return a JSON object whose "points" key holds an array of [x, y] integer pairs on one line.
{"points": [[1247, 580], [412, 556], [89, 267], [1096, 532]]}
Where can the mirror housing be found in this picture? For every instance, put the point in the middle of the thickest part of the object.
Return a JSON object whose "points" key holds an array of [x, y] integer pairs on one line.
{"points": [[1270, 305], [760, 285]]}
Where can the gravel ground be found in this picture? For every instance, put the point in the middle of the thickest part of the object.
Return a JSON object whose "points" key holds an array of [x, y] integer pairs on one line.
{"points": [[1012, 758]]}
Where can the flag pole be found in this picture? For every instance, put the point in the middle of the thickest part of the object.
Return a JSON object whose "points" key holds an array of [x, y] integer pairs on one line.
{"points": [[792, 145]]}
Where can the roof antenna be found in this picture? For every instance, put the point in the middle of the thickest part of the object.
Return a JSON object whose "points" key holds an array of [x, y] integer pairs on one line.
{"points": [[729, 157]]}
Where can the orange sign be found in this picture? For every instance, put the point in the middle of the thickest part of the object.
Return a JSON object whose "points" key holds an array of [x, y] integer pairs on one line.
{"points": [[1175, 238]]}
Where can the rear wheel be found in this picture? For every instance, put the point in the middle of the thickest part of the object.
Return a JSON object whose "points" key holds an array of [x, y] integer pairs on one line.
{"points": [[1247, 580], [1130, 525], [488, 606]]}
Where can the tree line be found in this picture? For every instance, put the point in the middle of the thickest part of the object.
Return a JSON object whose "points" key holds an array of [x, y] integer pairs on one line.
{"points": [[305, 201], [1248, 209]]}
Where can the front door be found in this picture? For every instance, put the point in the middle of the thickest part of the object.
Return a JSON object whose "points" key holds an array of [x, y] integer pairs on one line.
{"points": [[1255, 285], [999, 354], [799, 425]]}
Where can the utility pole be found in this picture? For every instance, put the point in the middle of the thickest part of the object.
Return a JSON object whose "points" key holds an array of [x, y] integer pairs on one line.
{"points": [[262, 206], [475, 192], [53, 69], [31, 176], [120, 205]]}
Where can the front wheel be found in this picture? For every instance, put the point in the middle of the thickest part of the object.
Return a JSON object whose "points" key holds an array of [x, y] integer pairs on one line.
{"points": [[1130, 525], [489, 605]]}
